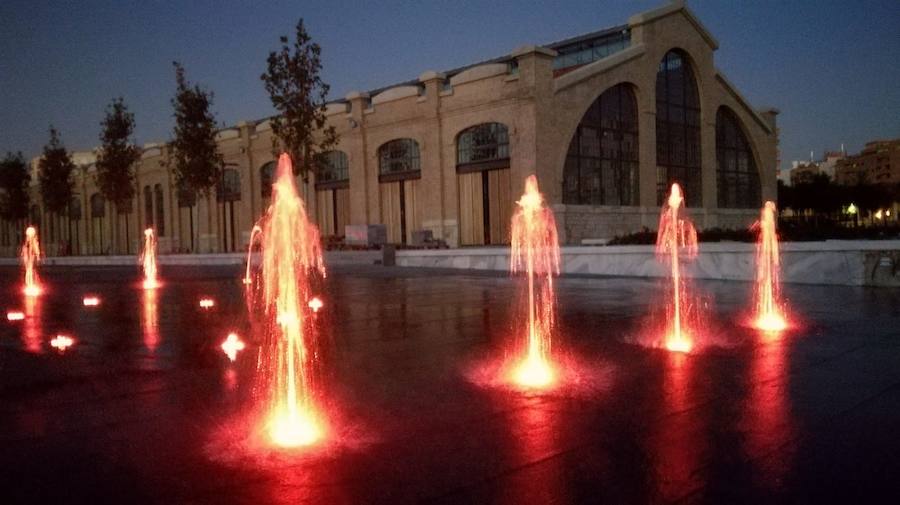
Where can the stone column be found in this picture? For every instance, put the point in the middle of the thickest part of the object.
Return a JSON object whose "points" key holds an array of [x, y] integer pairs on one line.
{"points": [[434, 183], [360, 172]]}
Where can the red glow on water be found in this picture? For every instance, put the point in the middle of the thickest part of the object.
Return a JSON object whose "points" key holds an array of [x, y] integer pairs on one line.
{"points": [[62, 342], [148, 260], [675, 241], [30, 254], [150, 320], [32, 332], [316, 304], [15, 315], [207, 303], [232, 345], [291, 253], [90, 301], [535, 251], [769, 310]]}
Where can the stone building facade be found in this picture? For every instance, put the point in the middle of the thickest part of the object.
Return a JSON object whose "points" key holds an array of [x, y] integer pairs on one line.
{"points": [[877, 163], [606, 120]]}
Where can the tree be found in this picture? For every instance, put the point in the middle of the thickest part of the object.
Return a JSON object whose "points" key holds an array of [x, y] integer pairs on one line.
{"points": [[298, 93], [14, 196], [55, 177], [197, 161], [115, 162]]}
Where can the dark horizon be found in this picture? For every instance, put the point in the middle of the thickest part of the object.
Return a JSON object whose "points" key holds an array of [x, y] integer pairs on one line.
{"points": [[60, 71]]}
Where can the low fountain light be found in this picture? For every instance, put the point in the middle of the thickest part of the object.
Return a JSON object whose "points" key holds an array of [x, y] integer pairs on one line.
{"points": [[232, 345], [769, 310], [15, 315], [62, 342], [90, 301], [294, 430], [534, 373], [316, 304], [207, 303]]}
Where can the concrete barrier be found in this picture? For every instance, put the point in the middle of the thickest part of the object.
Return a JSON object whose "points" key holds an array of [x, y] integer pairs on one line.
{"points": [[850, 263]]}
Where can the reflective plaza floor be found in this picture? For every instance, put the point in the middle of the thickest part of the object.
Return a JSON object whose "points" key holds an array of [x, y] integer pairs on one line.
{"points": [[134, 411]]}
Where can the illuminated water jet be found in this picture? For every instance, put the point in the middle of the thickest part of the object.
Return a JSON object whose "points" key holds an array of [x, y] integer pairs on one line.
{"points": [[535, 250], [253, 234], [232, 345], [769, 310], [291, 255], [148, 260], [676, 240], [31, 252]]}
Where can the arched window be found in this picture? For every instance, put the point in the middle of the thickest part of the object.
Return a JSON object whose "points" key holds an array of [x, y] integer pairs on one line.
{"points": [[148, 207], [333, 168], [266, 178], [98, 206], [602, 162], [160, 211], [677, 128], [75, 209], [483, 147], [737, 178], [399, 160], [229, 187]]}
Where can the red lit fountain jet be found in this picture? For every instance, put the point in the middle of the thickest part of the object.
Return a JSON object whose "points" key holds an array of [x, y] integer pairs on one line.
{"points": [[31, 252], [769, 310], [676, 239], [535, 250], [148, 260], [291, 254]]}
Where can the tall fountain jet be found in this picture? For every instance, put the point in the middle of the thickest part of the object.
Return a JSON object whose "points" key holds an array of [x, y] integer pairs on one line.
{"points": [[535, 251], [675, 241], [291, 256], [31, 252], [148, 260], [769, 310]]}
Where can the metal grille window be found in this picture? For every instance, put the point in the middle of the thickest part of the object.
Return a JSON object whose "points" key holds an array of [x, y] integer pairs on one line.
{"points": [[677, 129], [266, 178], [602, 161], [333, 167], [229, 187], [399, 159], [484, 144], [737, 178], [160, 211], [98, 205]]}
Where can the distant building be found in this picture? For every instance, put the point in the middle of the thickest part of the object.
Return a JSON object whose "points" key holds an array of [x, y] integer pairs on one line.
{"points": [[804, 172], [877, 163], [827, 166]]}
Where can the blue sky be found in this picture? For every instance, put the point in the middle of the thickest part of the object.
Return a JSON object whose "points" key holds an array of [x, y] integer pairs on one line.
{"points": [[831, 67]]}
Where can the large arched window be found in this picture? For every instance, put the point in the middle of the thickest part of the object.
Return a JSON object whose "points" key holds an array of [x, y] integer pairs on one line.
{"points": [[602, 162], [333, 168], [229, 187], [98, 206], [399, 160], [148, 207], [677, 128], [483, 147], [266, 178], [737, 178], [160, 211]]}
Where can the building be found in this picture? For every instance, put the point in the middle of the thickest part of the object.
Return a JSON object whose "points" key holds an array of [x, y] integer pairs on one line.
{"points": [[877, 163], [607, 121], [804, 172]]}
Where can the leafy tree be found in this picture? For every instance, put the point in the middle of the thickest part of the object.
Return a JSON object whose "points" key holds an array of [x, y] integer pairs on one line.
{"points": [[298, 93], [14, 196], [197, 161], [55, 177], [115, 162]]}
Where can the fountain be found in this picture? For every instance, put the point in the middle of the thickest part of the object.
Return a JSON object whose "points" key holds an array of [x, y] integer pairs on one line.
{"points": [[291, 255], [769, 311], [535, 250], [148, 260], [675, 240], [31, 252], [253, 234]]}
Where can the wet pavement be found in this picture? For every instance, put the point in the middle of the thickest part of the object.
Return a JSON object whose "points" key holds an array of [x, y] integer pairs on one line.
{"points": [[145, 408]]}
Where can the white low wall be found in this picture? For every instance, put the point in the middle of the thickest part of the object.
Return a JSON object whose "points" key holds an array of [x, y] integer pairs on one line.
{"points": [[331, 258], [854, 263]]}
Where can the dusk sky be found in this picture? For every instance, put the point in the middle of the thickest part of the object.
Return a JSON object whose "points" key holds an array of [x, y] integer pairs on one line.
{"points": [[831, 67]]}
